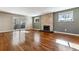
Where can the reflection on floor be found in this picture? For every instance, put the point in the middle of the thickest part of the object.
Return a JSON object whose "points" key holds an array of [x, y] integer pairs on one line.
{"points": [[18, 37], [67, 43], [37, 41]]}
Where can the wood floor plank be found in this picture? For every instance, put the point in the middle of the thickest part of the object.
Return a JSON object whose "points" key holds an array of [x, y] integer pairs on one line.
{"points": [[37, 41]]}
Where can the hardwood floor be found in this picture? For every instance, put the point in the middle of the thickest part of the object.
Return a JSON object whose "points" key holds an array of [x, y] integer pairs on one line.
{"points": [[37, 41]]}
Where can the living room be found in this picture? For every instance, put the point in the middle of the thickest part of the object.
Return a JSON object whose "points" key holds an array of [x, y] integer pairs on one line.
{"points": [[39, 29]]}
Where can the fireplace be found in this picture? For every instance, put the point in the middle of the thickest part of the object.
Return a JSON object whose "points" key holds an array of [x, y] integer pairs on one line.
{"points": [[46, 28]]}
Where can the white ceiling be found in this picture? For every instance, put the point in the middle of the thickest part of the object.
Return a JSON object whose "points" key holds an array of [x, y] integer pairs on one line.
{"points": [[32, 11]]}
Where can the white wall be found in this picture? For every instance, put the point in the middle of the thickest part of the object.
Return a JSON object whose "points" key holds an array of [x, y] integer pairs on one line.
{"points": [[28, 22], [5, 22]]}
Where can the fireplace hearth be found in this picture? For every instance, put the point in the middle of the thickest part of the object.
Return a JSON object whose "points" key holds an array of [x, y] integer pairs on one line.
{"points": [[46, 28]]}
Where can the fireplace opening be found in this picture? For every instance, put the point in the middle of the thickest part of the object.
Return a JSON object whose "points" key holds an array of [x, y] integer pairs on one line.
{"points": [[46, 28]]}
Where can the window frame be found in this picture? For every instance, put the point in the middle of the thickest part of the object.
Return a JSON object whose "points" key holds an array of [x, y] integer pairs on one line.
{"points": [[65, 16]]}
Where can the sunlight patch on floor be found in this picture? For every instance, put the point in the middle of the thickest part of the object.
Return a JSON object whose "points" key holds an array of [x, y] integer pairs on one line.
{"points": [[67, 43]]}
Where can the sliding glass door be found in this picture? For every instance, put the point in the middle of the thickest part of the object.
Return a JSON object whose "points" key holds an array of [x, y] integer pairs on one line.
{"points": [[19, 23], [19, 31]]}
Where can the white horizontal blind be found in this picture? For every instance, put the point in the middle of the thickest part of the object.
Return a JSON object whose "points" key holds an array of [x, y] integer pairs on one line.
{"points": [[65, 16]]}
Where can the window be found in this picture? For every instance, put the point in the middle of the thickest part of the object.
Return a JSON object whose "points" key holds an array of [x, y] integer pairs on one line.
{"points": [[36, 20], [65, 16]]}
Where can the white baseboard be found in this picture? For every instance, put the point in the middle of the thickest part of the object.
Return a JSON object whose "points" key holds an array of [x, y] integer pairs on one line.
{"points": [[36, 29], [66, 33]]}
